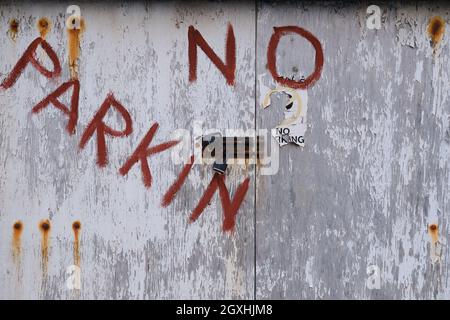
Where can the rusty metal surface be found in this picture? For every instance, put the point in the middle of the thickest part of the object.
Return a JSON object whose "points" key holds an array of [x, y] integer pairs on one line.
{"points": [[367, 193]]}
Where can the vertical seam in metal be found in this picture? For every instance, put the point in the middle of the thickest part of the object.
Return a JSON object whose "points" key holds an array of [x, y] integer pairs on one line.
{"points": [[257, 151]]}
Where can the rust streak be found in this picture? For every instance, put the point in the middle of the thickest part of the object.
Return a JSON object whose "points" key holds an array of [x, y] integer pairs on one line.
{"points": [[44, 26], [436, 248], [433, 231], [76, 226], [435, 30], [16, 241], [74, 38], [44, 227]]}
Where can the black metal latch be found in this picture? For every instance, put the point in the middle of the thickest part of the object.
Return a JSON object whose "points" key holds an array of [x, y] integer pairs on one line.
{"points": [[223, 149]]}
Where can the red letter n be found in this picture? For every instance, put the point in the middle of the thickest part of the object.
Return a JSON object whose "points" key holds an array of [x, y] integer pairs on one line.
{"points": [[30, 56], [228, 69], [142, 152], [97, 125], [230, 207], [53, 99]]}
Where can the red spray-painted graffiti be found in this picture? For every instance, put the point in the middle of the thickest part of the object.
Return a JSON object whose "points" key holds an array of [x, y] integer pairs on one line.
{"points": [[29, 56], [142, 152], [97, 125], [229, 207], [176, 186], [272, 62], [52, 98], [228, 69]]}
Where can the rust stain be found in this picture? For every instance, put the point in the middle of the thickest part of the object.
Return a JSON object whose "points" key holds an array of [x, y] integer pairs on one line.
{"points": [[16, 241], [74, 38], [44, 26], [44, 227], [76, 226], [435, 30], [433, 231], [436, 247], [13, 29]]}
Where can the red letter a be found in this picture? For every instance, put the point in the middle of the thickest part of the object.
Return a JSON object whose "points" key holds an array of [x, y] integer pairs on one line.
{"points": [[53, 99], [29, 56]]}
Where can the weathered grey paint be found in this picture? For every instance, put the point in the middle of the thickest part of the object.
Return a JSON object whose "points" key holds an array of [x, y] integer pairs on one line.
{"points": [[374, 170], [372, 176]]}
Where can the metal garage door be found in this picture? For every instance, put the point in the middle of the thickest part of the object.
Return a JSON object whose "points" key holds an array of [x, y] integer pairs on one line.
{"points": [[97, 199]]}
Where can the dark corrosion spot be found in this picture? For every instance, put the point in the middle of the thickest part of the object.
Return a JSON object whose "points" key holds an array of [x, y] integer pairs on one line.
{"points": [[433, 227], [18, 226], [14, 25], [43, 23], [76, 226], [43, 26], [45, 225], [436, 29]]}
